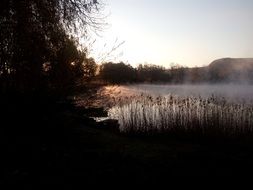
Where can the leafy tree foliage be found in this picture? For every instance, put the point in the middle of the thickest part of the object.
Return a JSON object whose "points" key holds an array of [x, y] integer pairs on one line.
{"points": [[36, 51]]}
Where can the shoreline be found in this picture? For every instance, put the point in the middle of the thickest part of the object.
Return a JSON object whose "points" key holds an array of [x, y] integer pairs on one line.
{"points": [[56, 144]]}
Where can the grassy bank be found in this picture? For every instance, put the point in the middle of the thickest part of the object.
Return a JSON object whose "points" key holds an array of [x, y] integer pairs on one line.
{"points": [[55, 143]]}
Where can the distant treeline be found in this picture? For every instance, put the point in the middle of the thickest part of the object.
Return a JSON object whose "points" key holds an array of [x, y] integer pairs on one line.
{"points": [[40, 53], [220, 71], [118, 73]]}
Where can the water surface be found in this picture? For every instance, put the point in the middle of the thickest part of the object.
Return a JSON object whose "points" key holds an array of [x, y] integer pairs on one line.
{"points": [[230, 92]]}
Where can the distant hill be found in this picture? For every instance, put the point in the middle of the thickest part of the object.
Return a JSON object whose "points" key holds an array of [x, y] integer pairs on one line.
{"points": [[226, 70], [230, 70]]}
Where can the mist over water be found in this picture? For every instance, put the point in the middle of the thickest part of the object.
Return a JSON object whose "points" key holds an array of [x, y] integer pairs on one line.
{"points": [[234, 92], [225, 109]]}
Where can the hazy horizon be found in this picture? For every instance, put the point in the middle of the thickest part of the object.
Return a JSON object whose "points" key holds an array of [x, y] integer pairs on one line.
{"points": [[187, 32]]}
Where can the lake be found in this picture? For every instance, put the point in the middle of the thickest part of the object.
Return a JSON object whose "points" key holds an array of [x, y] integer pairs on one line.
{"points": [[230, 92], [189, 108]]}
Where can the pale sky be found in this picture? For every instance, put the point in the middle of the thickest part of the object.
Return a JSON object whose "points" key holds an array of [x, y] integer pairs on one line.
{"points": [[187, 32]]}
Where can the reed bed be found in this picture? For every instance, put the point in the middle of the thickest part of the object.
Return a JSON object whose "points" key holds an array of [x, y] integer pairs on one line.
{"points": [[148, 114]]}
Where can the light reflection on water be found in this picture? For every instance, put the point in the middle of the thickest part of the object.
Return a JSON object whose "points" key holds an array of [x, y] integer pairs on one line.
{"points": [[110, 96], [157, 107], [227, 91], [99, 119], [130, 104]]}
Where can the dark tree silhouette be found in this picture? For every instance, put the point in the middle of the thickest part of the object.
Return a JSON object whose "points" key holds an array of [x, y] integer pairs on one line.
{"points": [[117, 73], [89, 68], [152, 73], [34, 34]]}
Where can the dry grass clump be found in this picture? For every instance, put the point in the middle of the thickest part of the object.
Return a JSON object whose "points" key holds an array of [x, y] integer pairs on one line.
{"points": [[146, 113]]}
